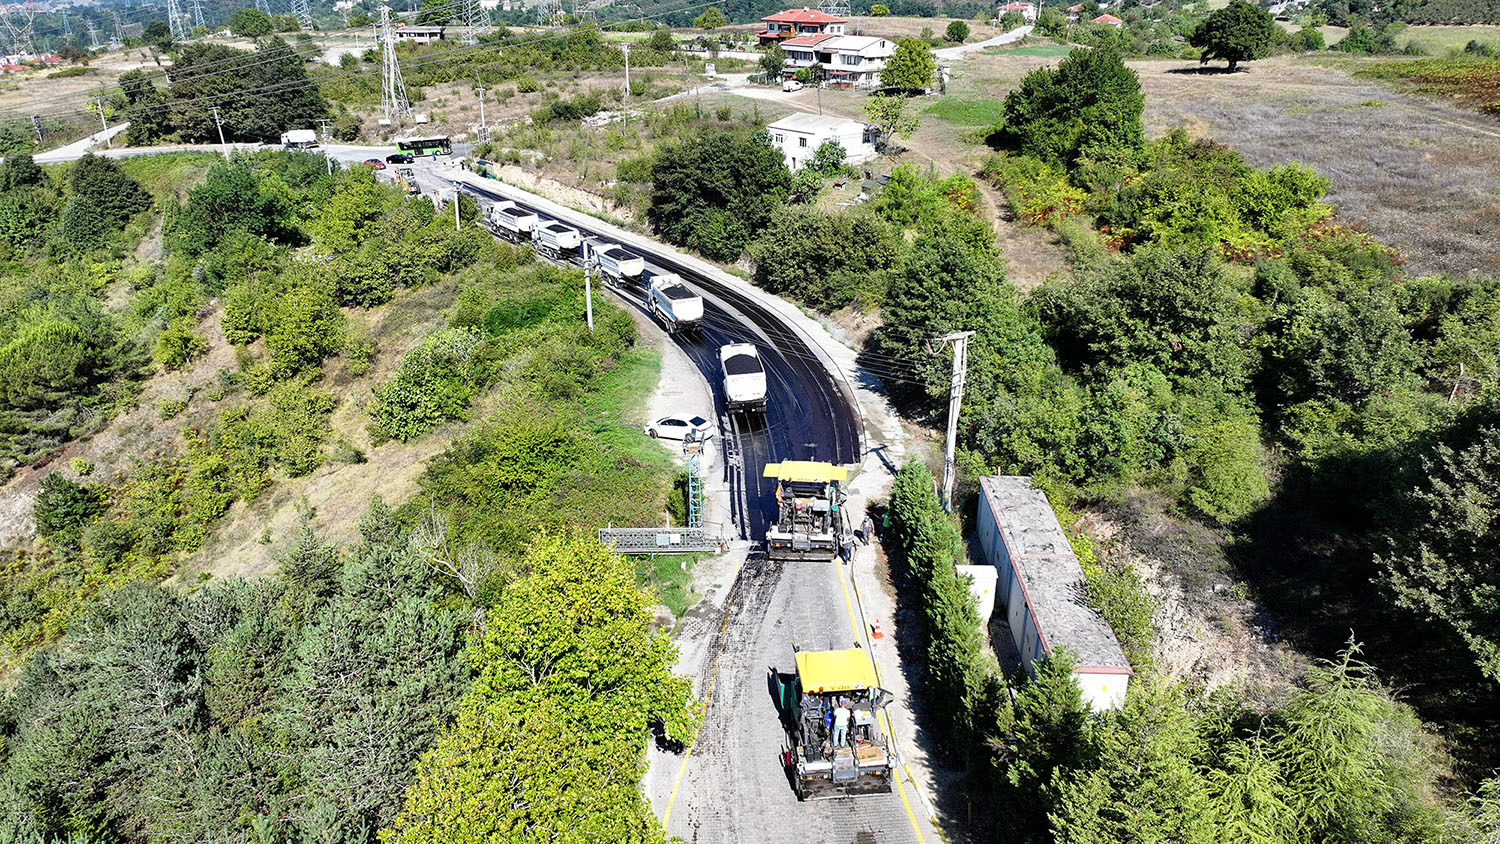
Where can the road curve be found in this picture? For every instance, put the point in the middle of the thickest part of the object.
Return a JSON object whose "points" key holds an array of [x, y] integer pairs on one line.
{"points": [[732, 786]]}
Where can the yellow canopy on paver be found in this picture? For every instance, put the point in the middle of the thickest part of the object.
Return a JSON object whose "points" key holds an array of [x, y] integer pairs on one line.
{"points": [[835, 671], [806, 471]]}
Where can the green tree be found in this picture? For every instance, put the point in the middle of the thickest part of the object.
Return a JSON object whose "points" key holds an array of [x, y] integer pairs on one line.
{"points": [[435, 13], [839, 256], [158, 34], [1435, 556], [259, 95], [1239, 32], [179, 343], [711, 18], [111, 194], [304, 327], [889, 115], [1145, 785], [21, 170], [250, 23], [1227, 469], [773, 62], [358, 17], [150, 116], [879, 10], [1308, 39], [550, 737], [1090, 103], [64, 506], [910, 67], [957, 32], [231, 198], [829, 158], [1052, 23], [712, 190]]}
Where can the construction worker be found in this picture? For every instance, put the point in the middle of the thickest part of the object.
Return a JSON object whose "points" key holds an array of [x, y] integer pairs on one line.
{"points": [[840, 724]]}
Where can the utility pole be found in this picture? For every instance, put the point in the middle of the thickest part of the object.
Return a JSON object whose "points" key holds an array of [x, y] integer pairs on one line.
{"points": [[960, 340], [456, 194], [104, 125], [484, 126], [219, 123], [626, 48], [588, 283]]}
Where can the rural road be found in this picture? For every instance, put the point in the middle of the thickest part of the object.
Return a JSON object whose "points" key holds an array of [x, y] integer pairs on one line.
{"points": [[732, 783], [950, 53]]}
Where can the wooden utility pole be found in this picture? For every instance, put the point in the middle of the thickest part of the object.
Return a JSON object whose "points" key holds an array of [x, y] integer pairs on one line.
{"points": [[219, 123], [960, 340]]}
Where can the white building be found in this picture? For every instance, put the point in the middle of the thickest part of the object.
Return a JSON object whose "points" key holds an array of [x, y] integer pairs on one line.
{"points": [[1042, 587], [798, 136], [1027, 11], [418, 34], [854, 59]]}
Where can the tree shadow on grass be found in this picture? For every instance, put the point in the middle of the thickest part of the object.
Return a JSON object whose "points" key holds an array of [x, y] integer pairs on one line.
{"points": [[1205, 70]]}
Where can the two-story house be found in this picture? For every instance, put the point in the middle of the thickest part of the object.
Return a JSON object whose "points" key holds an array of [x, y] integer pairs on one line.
{"points": [[798, 22], [854, 59]]}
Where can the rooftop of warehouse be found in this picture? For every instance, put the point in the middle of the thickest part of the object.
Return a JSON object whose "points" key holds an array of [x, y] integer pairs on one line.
{"points": [[1049, 572]]}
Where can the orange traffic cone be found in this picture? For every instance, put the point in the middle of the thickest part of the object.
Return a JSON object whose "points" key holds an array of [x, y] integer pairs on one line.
{"points": [[877, 634]]}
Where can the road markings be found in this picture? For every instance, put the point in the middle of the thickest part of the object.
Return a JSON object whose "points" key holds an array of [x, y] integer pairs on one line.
{"points": [[890, 731]]}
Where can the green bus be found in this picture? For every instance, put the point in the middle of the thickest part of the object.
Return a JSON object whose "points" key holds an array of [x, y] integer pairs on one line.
{"points": [[425, 146]]}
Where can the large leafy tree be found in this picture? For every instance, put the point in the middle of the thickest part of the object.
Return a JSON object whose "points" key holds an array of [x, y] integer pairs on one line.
{"points": [[1091, 102], [714, 190], [232, 197], [147, 107], [837, 255], [259, 95], [1239, 32], [250, 23], [548, 742], [109, 192], [910, 68]]}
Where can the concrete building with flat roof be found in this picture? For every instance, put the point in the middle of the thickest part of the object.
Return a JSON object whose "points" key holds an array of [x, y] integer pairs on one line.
{"points": [[1041, 585], [799, 135]]}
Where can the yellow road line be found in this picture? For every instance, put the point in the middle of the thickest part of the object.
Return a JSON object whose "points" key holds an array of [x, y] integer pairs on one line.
{"points": [[895, 776]]}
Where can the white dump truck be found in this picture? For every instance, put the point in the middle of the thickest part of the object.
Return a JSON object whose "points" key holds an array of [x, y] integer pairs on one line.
{"points": [[744, 377], [670, 301], [618, 265], [511, 221], [299, 139], [556, 240]]}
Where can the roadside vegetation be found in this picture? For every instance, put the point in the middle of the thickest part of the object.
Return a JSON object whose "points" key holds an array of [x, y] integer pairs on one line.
{"points": [[301, 704]]}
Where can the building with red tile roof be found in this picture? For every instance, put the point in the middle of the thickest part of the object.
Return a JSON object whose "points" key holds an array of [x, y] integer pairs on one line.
{"points": [[794, 23]]}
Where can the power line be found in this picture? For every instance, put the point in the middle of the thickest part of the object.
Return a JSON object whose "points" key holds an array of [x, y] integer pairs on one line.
{"points": [[432, 58]]}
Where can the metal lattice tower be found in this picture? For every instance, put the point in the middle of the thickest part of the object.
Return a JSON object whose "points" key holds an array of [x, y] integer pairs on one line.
{"points": [[20, 21], [695, 484], [837, 8], [93, 36], [175, 21], [302, 14], [393, 101], [197, 7], [549, 13], [471, 16]]}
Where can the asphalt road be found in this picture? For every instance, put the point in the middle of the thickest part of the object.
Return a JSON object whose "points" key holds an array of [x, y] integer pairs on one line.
{"points": [[733, 787]]}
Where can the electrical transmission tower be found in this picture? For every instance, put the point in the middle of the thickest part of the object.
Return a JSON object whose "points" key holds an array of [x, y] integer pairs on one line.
{"points": [[549, 13], [93, 36], [197, 13], [20, 21], [471, 16], [393, 101], [175, 21], [303, 15], [837, 8]]}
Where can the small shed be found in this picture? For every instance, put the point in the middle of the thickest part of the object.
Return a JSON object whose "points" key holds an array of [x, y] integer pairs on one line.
{"points": [[1042, 588]]}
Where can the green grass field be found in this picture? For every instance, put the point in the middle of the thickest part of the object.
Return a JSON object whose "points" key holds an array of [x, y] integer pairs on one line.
{"points": [[965, 111], [1045, 50]]}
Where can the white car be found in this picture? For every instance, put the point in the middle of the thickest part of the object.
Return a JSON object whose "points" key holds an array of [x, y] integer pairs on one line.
{"points": [[678, 427]]}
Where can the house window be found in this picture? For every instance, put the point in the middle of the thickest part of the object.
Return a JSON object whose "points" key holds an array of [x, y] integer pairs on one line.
{"points": [[781, 139], [802, 142]]}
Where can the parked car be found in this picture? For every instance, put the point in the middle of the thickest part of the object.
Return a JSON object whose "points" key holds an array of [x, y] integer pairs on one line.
{"points": [[375, 163], [790, 85], [677, 428], [398, 158]]}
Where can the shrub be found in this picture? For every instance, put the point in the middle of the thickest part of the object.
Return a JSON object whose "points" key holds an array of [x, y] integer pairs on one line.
{"points": [[1228, 478], [957, 32], [179, 343], [64, 506], [434, 385], [1090, 102]]}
